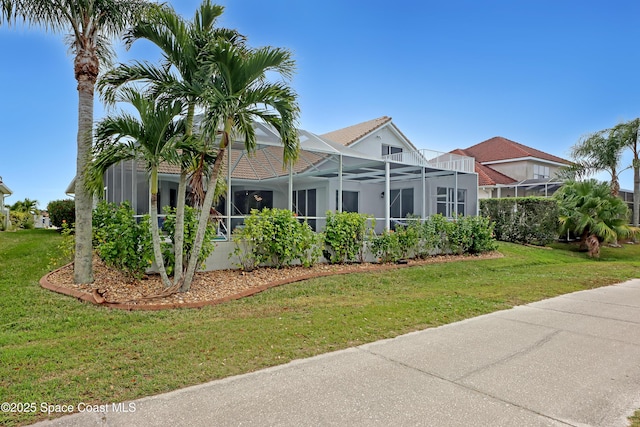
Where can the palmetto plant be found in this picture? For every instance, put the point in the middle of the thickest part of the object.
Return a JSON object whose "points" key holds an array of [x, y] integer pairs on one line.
{"points": [[152, 137], [90, 25], [589, 210]]}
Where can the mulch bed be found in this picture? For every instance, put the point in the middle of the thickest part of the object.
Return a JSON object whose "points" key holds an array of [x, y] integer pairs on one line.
{"points": [[114, 289]]}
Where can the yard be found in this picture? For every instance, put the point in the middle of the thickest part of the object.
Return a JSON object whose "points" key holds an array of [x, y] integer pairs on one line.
{"points": [[56, 350]]}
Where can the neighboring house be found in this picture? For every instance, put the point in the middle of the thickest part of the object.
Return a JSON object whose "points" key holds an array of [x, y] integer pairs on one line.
{"points": [[507, 168], [4, 192], [375, 168]]}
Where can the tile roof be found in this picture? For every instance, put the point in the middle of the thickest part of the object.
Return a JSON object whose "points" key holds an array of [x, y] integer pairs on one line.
{"points": [[349, 135], [486, 175], [499, 148]]}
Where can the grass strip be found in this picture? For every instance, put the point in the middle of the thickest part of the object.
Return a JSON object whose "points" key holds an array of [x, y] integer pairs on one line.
{"points": [[57, 350]]}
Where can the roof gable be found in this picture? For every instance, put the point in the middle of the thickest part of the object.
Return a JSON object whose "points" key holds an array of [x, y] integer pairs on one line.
{"points": [[500, 149], [349, 135]]}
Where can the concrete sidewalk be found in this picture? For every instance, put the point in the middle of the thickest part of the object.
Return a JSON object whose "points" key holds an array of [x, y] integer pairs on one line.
{"points": [[571, 360]]}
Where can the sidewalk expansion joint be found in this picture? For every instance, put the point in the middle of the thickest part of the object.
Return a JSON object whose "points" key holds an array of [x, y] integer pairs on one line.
{"points": [[470, 388]]}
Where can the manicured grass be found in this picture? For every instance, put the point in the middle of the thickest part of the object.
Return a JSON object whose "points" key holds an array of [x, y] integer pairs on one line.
{"points": [[57, 350]]}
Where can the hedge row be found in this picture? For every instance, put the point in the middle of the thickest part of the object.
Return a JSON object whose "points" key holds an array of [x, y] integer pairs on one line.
{"points": [[531, 220]]}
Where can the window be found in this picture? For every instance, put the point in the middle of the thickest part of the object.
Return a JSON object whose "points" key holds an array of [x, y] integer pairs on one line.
{"points": [[245, 200], [446, 204], [304, 204], [388, 149], [401, 203], [349, 201], [540, 172]]}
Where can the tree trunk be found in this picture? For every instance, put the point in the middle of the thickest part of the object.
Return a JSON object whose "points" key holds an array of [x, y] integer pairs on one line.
{"points": [[178, 237], [636, 192], [203, 218], [594, 246], [86, 72], [155, 232]]}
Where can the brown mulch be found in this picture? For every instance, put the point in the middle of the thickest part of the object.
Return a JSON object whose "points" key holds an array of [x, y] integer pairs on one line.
{"points": [[115, 289]]}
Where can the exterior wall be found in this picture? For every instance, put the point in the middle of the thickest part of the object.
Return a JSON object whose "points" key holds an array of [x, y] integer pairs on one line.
{"points": [[521, 170], [517, 170], [372, 143]]}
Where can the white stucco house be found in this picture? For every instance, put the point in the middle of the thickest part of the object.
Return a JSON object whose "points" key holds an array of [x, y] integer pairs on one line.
{"points": [[375, 168], [4, 193]]}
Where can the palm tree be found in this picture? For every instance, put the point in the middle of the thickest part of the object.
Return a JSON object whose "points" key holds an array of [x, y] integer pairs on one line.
{"points": [[599, 152], [181, 75], [151, 138], [588, 209], [91, 23], [629, 132], [238, 95]]}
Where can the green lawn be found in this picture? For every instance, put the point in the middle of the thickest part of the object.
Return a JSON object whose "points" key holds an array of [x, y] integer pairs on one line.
{"points": [[57, 350]]}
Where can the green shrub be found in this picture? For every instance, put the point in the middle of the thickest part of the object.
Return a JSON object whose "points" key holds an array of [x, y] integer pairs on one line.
{"points": [[434, 235], [66, 247], [2, 221], [190, 230], [386, 247], [276, 237], [22, 220], [344, 236], [120, 240], [472, 234], [523, 220], [62, 210]]}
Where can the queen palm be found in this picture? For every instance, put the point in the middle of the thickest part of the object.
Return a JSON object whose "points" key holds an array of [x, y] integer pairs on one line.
{"points": [[182, 75], [629, 133], [239, 94], [600, 152], [152, 137], [91, 23]]}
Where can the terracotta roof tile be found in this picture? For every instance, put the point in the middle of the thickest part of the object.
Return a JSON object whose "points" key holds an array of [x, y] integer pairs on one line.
{"points": [[349, 135], [499, 148], [486, 174]]}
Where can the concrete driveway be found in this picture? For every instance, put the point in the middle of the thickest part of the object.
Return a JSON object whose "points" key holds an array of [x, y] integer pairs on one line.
{"points": [[573, 360]]}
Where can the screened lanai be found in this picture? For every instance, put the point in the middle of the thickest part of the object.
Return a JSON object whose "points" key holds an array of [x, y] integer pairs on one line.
{"points": [[389, 187]]}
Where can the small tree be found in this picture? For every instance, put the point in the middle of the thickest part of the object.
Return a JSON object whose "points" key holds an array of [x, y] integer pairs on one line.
{"points": [[61, 211]]}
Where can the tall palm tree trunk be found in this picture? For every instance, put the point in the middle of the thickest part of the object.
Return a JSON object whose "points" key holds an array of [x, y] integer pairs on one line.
{"points": [[155, 232], [178, 238], [636, 192], [206, 207], [86, 72]]}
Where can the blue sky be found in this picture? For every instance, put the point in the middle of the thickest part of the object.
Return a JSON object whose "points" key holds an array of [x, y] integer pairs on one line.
{"points": [[450, 73]]}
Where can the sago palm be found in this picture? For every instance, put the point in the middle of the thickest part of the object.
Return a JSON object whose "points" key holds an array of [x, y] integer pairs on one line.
{"points": [[151, 137], [90, 25]]}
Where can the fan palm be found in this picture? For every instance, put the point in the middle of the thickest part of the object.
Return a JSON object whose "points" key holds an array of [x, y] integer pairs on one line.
{"points": [[151, 138], [91, 23], [238, 95], [588, 209], [182, 75]]}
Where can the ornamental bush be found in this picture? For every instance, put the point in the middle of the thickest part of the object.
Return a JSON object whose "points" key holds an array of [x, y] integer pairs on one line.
{"points": [[344, 236], [120, 240], [523, 219], [22, 220], [62, 210], [190, 230], [275, 237]]}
